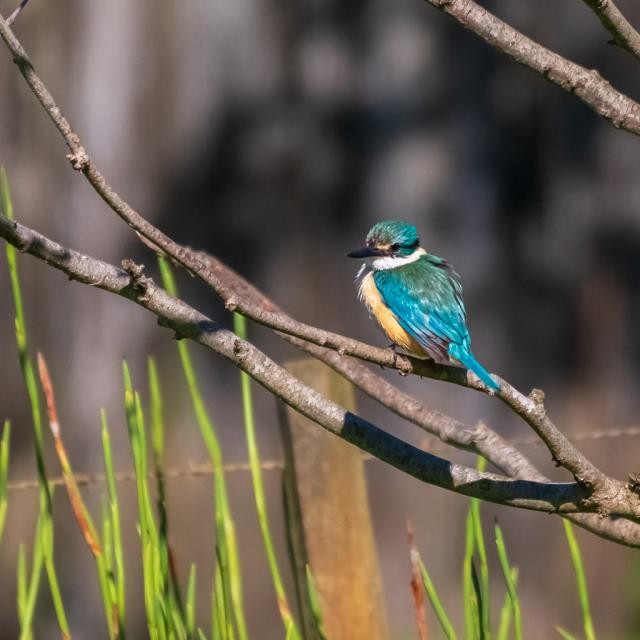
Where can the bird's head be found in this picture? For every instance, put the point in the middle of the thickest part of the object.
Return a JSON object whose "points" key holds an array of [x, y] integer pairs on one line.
{"points": [[390, 238]]}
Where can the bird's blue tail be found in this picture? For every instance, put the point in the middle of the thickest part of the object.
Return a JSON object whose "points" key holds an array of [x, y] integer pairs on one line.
{"points": [[467, 359]]}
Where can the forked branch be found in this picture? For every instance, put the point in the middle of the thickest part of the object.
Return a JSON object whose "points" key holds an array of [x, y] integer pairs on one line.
{"points": [[593, 491], [131, 282], [531, 411]]}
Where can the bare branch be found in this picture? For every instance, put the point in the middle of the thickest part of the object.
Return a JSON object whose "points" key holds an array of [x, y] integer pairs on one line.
{"points": [[494, 448], [614, 21], [561, 449], [16, 12], [131, 283], [587, 84], [596, 491], [480, 439]]}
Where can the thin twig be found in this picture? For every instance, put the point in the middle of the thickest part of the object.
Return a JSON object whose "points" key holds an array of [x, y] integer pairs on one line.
{"points": [[614, 21], [16, 12]]}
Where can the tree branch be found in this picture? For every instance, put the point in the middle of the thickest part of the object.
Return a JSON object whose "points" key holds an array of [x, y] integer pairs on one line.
{"points": [[131, 283], [605, 495], [561, 449], [587, 84], [614, 21], [16, 12], [480, 439]]}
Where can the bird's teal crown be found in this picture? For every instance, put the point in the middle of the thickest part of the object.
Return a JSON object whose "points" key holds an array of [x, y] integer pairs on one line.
{"points": [[396, 237]]}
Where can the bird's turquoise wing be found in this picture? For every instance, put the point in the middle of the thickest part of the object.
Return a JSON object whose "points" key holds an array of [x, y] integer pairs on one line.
{"points": [[426, 298]]}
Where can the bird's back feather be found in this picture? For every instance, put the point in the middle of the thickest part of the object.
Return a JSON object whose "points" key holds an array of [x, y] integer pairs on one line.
{"points": [[425, 298]]}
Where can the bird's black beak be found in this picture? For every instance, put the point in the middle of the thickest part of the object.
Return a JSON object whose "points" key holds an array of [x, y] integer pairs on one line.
{"points": [[366, 252]]}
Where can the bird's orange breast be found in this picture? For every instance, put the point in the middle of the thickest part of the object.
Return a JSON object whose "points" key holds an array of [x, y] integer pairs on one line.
{"points": [[371, 297]]}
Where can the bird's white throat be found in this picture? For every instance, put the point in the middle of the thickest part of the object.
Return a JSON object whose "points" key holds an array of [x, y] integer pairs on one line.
{"points": [[393, 262]]}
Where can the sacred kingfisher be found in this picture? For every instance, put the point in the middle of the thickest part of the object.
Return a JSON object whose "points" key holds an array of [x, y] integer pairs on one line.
{"points": [[416, 297]]}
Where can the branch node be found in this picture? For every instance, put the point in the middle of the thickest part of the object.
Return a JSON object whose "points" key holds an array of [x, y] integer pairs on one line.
{"points": [[232, 303], [79, 159], [237, 346], [139, 281], [586, 483], [634, 482], [537, 397]]}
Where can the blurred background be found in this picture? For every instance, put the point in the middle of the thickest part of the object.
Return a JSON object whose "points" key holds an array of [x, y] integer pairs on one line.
{"points": [[273, 134]]}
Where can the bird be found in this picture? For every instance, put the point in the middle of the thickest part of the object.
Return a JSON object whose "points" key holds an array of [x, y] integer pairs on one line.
{"points": [[416, 298]]}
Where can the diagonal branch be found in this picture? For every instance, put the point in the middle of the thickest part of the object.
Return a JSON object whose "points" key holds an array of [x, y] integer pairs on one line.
{"points": [[131, 283], [187, 322], [480, 439], [531, 409], [533, 412], [587, 84], [16, 12], [614, 21]]}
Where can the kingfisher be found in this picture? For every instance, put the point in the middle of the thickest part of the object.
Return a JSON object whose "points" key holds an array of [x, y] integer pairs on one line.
{"points": [[416, 298]]}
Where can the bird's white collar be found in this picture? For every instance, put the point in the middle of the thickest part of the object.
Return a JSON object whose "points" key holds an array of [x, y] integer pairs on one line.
{"points": [[392, 262]]}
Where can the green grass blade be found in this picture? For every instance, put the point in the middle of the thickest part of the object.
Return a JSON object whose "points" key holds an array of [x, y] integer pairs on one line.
{"points": [[483, 582], [31, 591], [565, 634], [26, 364], [291, 632], [81, 513], [169, 580], [436, 603], [510, 583], [114, 518], [28, 373], [475, 579], [227, 554], [56, 596], [191, 603], [4, 474], [146, 522], [107, 578], [221, 625], [581, 579], [470, 600], [21, 583], [506, 611], [314, 603], [240, 327]]}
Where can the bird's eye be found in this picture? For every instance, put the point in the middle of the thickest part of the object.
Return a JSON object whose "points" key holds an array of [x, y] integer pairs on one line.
{"points": [[394, 247]]}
